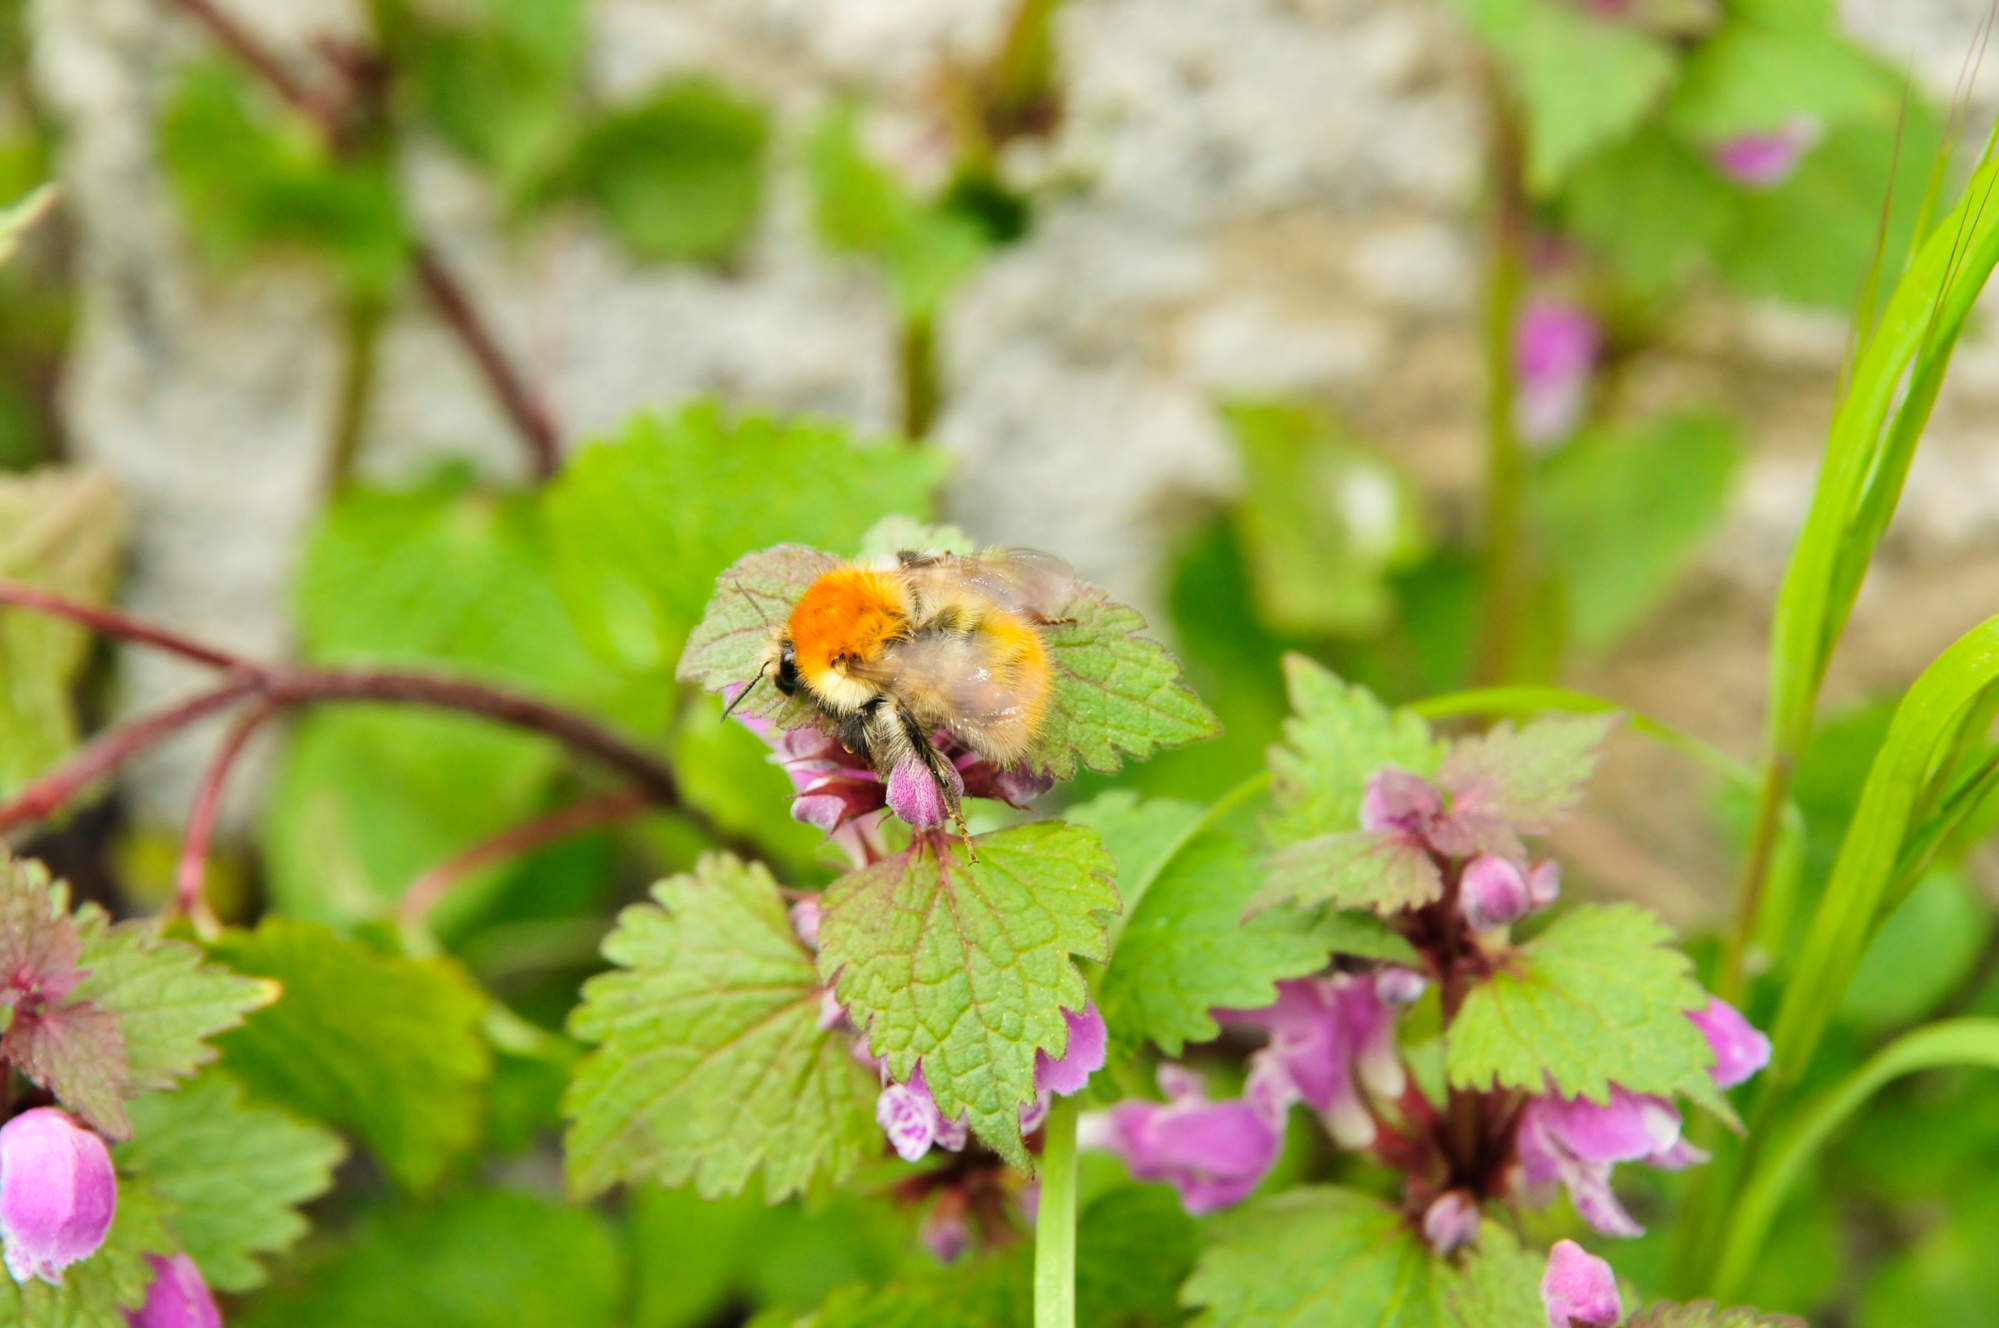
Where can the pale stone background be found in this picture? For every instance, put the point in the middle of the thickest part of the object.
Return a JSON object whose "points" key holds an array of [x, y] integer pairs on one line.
{"points": [[1245, 195]]}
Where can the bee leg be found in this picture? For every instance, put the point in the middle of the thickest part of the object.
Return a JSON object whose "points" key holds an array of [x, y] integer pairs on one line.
{"points": [[852, 732], [940, 769]]}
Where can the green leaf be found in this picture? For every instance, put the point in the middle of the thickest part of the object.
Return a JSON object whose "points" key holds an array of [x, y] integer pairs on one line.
{"points": [[1319, 1256], [96, 1292], [1382, 870], [860, 208], [1653, 205], [481, 1259], [967, 964], [644, 522], [1141, 837], [1186, 950], [1705, 1314], [714, 1062], [905, 534], [1625, 514], [388, 1049], [1135, 1245], [18, 217], [1365, 936], [752, 603], [251, 175], [500, 101], [990, 1292], [232, 1174], [59, 529], [1531, 778], [1499, 1284], [1584, 79], [1323, 519], [1923, 952], [1338, 736], [1600, 998], [680, 174], [1748, 79]]}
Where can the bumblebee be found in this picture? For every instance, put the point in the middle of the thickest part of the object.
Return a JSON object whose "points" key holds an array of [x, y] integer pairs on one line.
{"points": [[895, 655]]}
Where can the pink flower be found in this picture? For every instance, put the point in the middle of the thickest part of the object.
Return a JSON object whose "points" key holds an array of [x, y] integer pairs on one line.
{"points": [[57, 1193], [1213, 1153], [1329, 1038], [1083, 1057], [914, 795], [1580, 1142], [178, 1297], [909, 1116], [805, 921], [1739, 1049], [1579, 1290], [1555, 350], [1451, 1221], [1493, 892], [1544, 883], [1766, 160], [836, 792]]}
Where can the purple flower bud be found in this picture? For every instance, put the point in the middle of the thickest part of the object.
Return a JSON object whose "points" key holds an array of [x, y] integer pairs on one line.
{"points": [[1493, 892], [1544, 883], [832, 1014], [1400, 986], [1739, 1049], [909, 1116], [1017, 788], [944, 1232], [1451, 1221], [1397, 800], [1084, 1056], [805, 921], [1555, 349], [178, 1297], [57, 1193], [1579, 1290], [1213, 1153], [914, 795], [1766, 160]]}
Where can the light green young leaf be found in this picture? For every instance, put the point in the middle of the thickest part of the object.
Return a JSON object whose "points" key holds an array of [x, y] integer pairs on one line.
{"points": [[1338, 736], [1498, 1284], [860, 208], [1141, 837], [1331, 1258], [1748, 79], [96, 1292], [680, 175], [480, 1259], [231, 1173], [1706, 1314], [500, 101], [1531, 778], [167, 1002], [18, 217], [1600, 998], [643, 522], [967, 966], [905, 534], [714, 1063], [1653, 205], [59, 529], [1322, 519], [1624, 514], [387, 1049], [1186, 950]]}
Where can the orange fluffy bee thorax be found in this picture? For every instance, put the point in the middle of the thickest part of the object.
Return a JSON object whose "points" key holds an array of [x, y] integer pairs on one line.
{"points": [[849, 614]]}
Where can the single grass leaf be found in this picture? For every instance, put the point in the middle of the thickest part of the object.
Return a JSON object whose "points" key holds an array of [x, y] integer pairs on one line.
{"points": [[713, 1063], [1330, 1258], [1600, 998], [388, 1049], [1531, 778], [967, 965], [1373, 869], [1186, 950], [1338, 736], [233, 1174]]}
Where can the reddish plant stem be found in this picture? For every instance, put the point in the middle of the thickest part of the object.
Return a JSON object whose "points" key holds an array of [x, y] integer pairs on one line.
{"points": [[427, 890], [522, 405], [193, 870], [113, 623]]}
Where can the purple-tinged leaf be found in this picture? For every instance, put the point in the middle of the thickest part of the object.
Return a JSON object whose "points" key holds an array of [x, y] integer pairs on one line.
{"points": [[1382, 870], [751, 604], [1531, 778], [76, 1052]]}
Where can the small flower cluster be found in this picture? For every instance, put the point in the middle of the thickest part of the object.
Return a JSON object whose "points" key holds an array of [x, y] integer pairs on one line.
{"points": [[58, 1196]]}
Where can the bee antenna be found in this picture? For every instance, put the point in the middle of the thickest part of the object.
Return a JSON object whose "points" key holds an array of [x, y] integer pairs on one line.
{"points": [[730, 708]]}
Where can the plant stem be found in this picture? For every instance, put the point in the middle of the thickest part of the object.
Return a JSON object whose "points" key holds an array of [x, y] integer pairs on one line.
{"points": [[1506, 262], [920, 390], [525, 408], [428, 889], [113, 623], [1055, 1220], [361, 339], [1770, 803], [192, 873]]}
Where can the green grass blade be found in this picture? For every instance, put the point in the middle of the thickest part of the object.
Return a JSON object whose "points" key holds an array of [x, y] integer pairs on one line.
{"points": [[1952, 1043]]}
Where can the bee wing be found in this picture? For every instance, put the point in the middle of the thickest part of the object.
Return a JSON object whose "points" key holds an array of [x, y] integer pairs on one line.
{"points": [[945, 677], [1037, 584]]}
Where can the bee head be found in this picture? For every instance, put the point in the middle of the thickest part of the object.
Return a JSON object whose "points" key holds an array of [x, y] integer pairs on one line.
{"points": [[787, 668]]}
